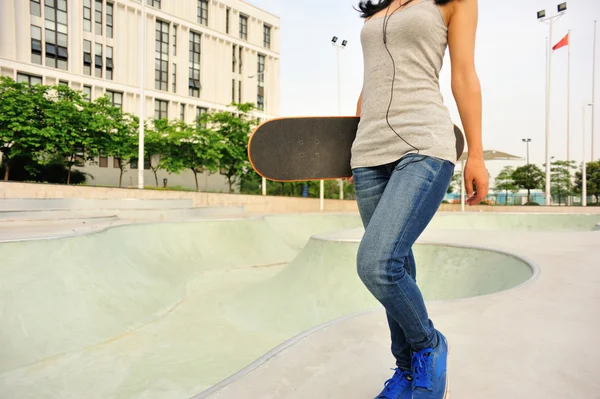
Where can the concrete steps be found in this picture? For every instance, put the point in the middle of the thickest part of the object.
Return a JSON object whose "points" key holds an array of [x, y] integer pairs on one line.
{"points": [[34, 204]]}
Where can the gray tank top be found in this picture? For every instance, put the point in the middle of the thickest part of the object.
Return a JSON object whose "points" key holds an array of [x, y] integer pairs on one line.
{"points": [[417, 38]]}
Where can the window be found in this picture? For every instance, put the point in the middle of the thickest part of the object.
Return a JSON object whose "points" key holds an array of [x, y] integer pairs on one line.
{"points": [[260, 99], [241, 58], [203, 12], [56, 33], [161, 109], [194, 68], [109, 20], [182, 112], [109, 63], [87, 15], [103, 161], [31, 79], [240, 92], [133, 164], [116, 162], [87, 57], [227, 19], [267, 36], [36, 44], [199, 112], [116, 98], [63, 83], [87, 91], [174, 78], [153, 3], [243, 27], [98, 17], [174, 39], [98, 61], [232, 90], [234, 59], [161, 63], [35, 8]]}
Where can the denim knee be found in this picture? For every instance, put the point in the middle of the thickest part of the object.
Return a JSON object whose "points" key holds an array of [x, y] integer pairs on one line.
{"points": [[377, 269]]}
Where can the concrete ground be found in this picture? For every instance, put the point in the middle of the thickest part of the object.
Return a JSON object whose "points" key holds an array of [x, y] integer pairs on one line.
{"points": [[173, 310]]}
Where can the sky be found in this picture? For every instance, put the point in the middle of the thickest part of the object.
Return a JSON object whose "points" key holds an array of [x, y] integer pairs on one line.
{"points": [[510, 60]]}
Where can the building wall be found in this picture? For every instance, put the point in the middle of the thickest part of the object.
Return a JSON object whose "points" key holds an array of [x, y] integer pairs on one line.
{"points": [[216, 63]]}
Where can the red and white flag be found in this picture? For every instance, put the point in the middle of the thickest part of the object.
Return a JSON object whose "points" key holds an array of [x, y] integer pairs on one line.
{"points": [[563, 42]]}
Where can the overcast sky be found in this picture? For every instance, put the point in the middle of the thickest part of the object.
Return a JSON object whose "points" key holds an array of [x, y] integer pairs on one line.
{"points": [[510, 57]]}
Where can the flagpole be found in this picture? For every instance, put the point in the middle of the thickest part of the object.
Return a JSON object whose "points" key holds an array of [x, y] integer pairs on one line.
{"points": [[548, 199], [594, 93], [569, 118]]}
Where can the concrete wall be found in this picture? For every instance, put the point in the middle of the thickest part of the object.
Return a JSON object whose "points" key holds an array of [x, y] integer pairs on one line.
{"points": [[252, 203]]}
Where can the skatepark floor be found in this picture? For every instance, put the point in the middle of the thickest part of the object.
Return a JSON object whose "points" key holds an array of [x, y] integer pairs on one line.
{"points": [[271, 307]]}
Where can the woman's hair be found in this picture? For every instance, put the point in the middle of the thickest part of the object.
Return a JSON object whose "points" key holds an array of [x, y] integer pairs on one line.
{"points": [[369, 8]]}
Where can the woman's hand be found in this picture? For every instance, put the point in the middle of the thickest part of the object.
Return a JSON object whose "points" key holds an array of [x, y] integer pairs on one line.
{"points": [[476, 174]]}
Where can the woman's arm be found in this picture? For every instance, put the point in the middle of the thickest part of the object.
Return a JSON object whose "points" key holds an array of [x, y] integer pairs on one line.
{"points": [[467, 93]]}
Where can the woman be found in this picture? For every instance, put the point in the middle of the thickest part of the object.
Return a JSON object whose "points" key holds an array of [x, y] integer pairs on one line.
{"points": [[403, 161]]}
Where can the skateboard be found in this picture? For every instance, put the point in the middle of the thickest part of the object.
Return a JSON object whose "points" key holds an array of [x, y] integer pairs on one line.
{"points": [[309, 148]]}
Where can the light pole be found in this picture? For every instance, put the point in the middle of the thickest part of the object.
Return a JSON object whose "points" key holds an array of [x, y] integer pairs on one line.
{"points": [[527, 141], [541, 15], [583, 168], [142, 66], [339, 48], [264, 181]]}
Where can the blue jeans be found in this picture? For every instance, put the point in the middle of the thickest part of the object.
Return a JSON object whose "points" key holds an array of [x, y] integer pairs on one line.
{"points": [[396, 202]]}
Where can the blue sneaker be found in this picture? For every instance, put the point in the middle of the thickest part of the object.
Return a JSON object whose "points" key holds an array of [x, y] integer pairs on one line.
{"points": [[429, 371], [400, 386]]}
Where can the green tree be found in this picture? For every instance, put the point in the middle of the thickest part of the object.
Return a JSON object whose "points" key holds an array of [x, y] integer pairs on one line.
{"points": [[234, 128], [67, 127], [528, 177], [187, 147], [455, 183], [21, 116], [504, 181], [592, 178], [560, 178], [155, 143], [117, 133]]}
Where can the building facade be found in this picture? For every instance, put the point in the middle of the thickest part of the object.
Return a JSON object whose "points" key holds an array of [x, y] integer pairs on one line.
{"points": [[199, 55]]}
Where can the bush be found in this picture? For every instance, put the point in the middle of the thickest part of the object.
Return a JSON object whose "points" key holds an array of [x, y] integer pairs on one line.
{"points": [[532, 204], [26, 169]]}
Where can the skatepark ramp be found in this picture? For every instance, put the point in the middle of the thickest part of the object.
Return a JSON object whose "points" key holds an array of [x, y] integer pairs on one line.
{"points": [[170, 309]]}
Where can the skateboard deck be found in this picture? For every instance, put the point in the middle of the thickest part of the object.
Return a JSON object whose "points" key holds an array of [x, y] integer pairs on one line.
{"points": [[308, 148]]}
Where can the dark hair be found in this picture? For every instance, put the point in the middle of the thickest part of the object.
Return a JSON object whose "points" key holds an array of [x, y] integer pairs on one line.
{"points": [[369, 8]]}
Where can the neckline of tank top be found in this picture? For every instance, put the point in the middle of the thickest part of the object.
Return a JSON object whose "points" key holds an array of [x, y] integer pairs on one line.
{"points": [[399, 11]]}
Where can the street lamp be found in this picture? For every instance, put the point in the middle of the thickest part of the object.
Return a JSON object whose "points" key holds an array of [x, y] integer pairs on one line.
{"points": [[541, 16], [527, 141], [339, 47], [264, 180], [583, 168], [142, 69]]}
